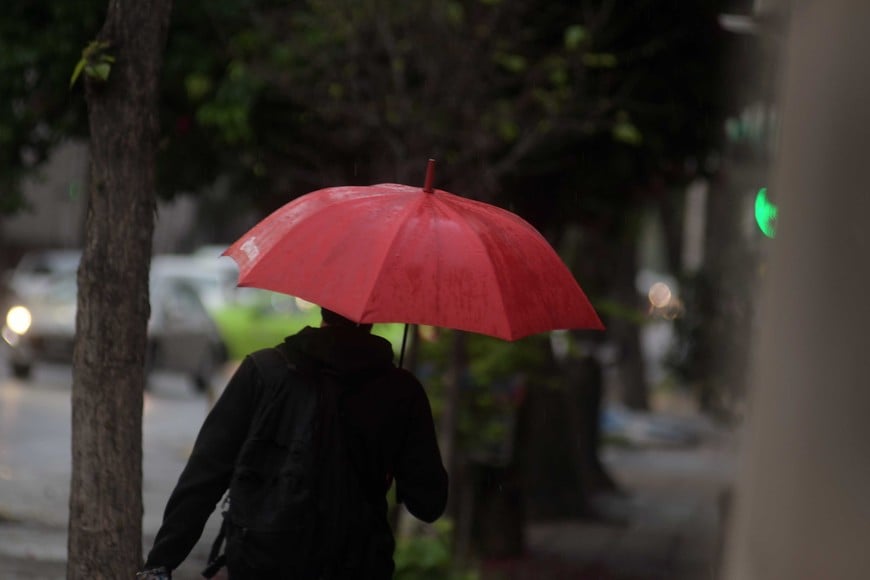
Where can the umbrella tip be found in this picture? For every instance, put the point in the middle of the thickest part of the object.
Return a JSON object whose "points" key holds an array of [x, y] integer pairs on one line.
{"points": [[430, 176]]}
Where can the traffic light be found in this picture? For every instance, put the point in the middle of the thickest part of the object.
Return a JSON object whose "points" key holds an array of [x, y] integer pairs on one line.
{"points": [[765, 213]]}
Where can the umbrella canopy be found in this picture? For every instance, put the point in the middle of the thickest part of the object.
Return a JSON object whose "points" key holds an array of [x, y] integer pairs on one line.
{"points": [[397, 253]]}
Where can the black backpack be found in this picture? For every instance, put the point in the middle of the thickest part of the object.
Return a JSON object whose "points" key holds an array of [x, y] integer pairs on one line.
{"points": [[296, 506]]}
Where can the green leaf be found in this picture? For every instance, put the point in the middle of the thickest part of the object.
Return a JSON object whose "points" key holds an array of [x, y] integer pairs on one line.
{"points": [[336, 90], [626, 132], [99, 71], [197, 86], [455, 13], [618, 310], [237, 71], [94, 62], [513, 62], [508, 130], [600, 60], [559, 77], [77, 71], [575, 35]]}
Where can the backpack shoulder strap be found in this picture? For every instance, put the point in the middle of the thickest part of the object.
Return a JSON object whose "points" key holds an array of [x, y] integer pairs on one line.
{"points": [[282, 393], [272, 365]]}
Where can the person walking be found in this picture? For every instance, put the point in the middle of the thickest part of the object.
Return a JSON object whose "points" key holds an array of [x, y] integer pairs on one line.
{"points": [[305, 442]]}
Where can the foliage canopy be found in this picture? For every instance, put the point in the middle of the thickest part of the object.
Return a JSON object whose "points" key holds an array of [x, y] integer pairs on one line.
{"points": [[579, 104]]}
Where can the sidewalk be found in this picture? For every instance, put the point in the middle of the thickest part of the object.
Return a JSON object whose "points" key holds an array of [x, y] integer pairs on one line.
{"points": [[35, 464], [670, 513], [671, 516], [671, 528]]}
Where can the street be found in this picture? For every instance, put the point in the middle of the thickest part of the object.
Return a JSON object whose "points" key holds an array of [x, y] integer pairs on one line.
{"points": [[35, 466]]}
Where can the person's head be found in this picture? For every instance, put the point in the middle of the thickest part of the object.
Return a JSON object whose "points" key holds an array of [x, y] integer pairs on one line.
{"points": [[331, 318]]}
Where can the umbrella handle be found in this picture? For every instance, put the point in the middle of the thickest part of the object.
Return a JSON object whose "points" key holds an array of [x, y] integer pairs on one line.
{"points": [[404, 340]]}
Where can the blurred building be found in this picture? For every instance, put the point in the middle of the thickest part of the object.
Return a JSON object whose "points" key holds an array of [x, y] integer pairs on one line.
{"points": [[54, 217], [57, 203]]}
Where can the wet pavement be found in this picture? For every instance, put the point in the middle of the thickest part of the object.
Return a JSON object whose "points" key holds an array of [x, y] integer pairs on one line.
{"points": [[35, 463], [668, 525], [668, 528]]}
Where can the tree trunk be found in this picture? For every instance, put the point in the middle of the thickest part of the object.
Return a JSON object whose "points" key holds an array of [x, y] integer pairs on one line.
{"points": [[586, 397], [671, 214], [458, 366], [105, 526], [499, 522], [548, 455], [729, 280], [632, 370], [453, 461]]}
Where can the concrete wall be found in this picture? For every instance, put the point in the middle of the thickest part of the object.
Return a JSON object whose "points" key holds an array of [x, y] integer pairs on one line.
{"points": [[57, 200]]}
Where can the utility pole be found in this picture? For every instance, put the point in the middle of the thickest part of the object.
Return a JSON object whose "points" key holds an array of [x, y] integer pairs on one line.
{"points": [[802, 509]]}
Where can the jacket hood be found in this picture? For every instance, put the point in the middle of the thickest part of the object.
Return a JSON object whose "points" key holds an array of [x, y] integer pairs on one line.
{"points": [[343, 350]]}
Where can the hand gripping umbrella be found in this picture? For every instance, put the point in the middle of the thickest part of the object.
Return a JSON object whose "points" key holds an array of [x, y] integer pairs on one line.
{"points": [[397, 253]]}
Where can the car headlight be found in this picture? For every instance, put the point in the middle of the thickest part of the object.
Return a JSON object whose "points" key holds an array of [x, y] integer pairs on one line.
{"points": [[18, 319]]}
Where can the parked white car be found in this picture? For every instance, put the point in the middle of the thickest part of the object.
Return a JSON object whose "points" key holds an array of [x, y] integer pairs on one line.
{"points": [[213, 278], [182, 337], [38, 267]]}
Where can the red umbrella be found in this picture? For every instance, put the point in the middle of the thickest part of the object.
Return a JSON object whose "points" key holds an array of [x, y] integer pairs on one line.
{"points": [[396, 253]]}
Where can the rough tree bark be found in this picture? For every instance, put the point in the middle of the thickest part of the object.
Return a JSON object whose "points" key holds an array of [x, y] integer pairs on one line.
{"points": [[105, 525]]}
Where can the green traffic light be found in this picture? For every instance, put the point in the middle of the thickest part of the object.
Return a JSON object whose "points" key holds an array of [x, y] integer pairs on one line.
{"points": [[765, 213]]}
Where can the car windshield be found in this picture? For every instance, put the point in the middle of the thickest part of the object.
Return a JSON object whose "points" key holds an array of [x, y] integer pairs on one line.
{"points": [[213, 280], [60, 289], [49, 262]]}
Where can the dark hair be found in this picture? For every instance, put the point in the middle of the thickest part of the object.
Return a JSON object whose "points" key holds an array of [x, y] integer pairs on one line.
{"points": [[335, 319]]}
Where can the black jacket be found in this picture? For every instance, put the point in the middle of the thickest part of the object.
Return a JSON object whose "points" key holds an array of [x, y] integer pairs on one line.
{"points": [[391, 422]]}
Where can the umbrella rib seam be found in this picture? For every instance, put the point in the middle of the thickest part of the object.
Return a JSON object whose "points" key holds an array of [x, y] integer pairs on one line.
{"points": [[388, 249], [496, 276]]}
